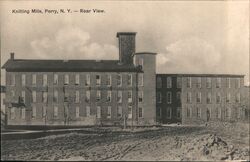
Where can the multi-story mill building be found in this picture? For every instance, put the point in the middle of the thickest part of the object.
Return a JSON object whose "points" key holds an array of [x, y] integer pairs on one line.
{"points": [[109, 92]]}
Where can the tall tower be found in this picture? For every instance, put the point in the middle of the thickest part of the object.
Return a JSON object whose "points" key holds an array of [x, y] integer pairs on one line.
{"points": [[126, 46]]}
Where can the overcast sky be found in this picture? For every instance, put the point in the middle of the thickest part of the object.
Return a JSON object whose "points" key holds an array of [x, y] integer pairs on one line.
{"points": [[189, 37]]}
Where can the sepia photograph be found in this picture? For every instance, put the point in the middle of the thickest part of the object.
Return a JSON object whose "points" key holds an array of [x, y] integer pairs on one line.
{"points": [[125, 80]]}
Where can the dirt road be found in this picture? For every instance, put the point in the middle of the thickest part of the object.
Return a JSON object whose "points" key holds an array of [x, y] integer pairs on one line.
{"points": [[164, 143]]}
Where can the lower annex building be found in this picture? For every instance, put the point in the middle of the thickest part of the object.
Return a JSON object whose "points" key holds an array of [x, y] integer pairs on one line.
{"points": [[111, 92]]}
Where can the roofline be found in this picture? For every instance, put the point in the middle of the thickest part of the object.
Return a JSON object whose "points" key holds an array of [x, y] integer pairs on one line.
{"points": [[125, 33], [142, 53], [203, 75]]}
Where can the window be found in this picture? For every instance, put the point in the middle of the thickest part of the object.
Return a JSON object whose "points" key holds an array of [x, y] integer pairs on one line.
{"points": [[228, 112], [198, 112], [45, 81], [33, 111], [218, 83], [55, 111], [34, 96], [66, 97], [228, 97], [109, 112], [23, 97], [87, 81], [119, 111], [45, 97], [98, 80], [140, 79], [23, 80], [87, 111], [66, 79], [55, 98], [77, 112], [189, 112], [219, 113], [198, 97], [129, 79], [119, 97], [129, 96], [140, 96], [189, 97], [199, 82], [218, 97], [159, 111], [179, 82], [209, 97], [228, 83], [178, 112], [178, 96], [140, 112], [23, 113], [237, 82], [98, 95], [141, 62], [237, 98], [130, 112], [77, 79], [169, 97], [158, 97], [108, 80], [169, 112], [98, 112], [77, 96], [169, 82], [189, 82], [209, 83], [33, 79], [158, 82], [109, 96], [55, 78], [119, 80], [12, 113], [239, 113], [87, 99], [12, 79], [44, 111]]}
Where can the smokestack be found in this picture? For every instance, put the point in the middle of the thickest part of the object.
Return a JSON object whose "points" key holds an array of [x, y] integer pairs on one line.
{"points": [[12, 55], [126, 46]]}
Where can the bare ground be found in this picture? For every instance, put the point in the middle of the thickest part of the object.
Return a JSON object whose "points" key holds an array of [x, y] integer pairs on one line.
{"points": [[213, 142]]}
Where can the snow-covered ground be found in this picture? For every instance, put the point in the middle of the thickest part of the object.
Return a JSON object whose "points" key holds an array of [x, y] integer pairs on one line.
{"points": [[213, 142]]}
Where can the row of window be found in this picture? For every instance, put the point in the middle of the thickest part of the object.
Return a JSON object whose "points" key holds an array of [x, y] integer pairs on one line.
{"points": [[198, 82], [76, 97], [216, 113], [169, 113], [77, 79], [198, 97], [77, 112]]}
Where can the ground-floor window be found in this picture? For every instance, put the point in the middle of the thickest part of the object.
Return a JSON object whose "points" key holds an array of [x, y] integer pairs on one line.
{"points": [[228, 112], [109, 112], [129, 112], [178, 112], [219, 113], [239, 113], [159, 111], [34, 111], [77, 111], [44, 111], [98, 111], [87, 111], [23, 113], [198, 112], [169, 112], [55, 111], [119, 111], [140, 112], [189, 112]]}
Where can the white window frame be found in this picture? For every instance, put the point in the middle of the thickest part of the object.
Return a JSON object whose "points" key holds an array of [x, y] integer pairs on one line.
{"points": [[209, 97], [130, 112], [228, 82], [238, 83], [33, 79], [33, 96], [109, 80], [198, 112], [158, 82], [87, 80], [12, 93], [98, 112], [219, 112], [208, 82], [87, 99], [23, 113], [159, 97], [140, 96], [98, 81], [77, 111], [169, 82], [45, 97], [238, 97], [130, 79], [140, 79], [23, 95], [199, 81], [119, 111], [218, 82], [12, 79], [159, 109], [198, 97], [140, 112], [55, 111], [87, 111], [98, 95], [179, 82], [44, 111], [169, 97], [55, 96], [189, 97], [12, 113], [119, 80], [77, 79], [189, 82], [23, 79], [218, 96], [33, 111], [77, 96], [228, 97], [130, 96], [169, 116], [141, 62], [178, 109], [55, 79], [109, 96], [66, 79], [45, 79], [119, 94]]}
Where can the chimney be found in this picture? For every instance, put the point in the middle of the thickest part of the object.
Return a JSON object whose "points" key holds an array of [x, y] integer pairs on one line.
{"points": [[12, 55], [126, 46]]}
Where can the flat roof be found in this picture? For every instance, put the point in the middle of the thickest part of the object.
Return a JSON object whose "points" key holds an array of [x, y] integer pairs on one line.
{"points": [[201, 75]]}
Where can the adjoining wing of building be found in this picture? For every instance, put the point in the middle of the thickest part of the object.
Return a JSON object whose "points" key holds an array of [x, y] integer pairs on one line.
{"points": [[111, 92]]}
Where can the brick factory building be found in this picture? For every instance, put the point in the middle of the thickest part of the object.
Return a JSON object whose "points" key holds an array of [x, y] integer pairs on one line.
{"points": [[111, 92]]}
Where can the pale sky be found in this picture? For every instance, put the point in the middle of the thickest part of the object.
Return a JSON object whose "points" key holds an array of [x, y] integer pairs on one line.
{"points": [[189, 37]]}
